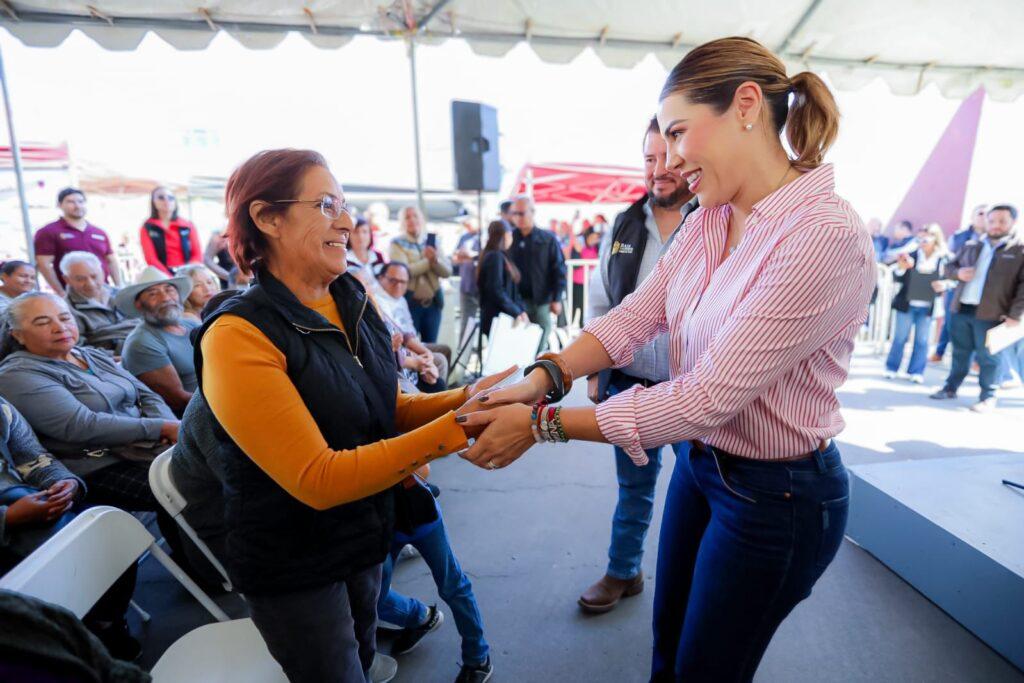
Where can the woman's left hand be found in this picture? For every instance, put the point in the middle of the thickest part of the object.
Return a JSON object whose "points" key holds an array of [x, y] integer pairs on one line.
{"points": [[505, 435], [480, 388]]}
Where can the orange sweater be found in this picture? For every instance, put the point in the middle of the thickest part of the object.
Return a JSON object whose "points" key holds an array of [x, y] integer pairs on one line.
{"points": [[246, 385]]}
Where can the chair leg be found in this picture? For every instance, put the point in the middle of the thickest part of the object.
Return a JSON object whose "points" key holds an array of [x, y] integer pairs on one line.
{"points": [[190, 585], [143, 614]]}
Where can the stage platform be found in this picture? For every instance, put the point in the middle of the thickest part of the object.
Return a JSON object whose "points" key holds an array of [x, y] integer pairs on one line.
{"points": [[951, 529]]}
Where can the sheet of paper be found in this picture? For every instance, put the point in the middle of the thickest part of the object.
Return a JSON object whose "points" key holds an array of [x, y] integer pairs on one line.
{"points": [[1002, 336]]}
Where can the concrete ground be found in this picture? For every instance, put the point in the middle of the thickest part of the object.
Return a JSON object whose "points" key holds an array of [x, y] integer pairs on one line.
{"points": [[532, 536]]}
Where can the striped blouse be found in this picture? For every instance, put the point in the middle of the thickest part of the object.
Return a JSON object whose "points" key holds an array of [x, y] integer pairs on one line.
{"points": [[759, 342]]}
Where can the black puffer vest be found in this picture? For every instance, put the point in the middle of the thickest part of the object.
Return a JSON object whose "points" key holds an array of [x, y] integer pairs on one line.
{"points": [[275, 543]]}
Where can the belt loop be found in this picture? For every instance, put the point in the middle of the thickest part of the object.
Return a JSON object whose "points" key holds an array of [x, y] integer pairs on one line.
{"points": [[819, 460]]}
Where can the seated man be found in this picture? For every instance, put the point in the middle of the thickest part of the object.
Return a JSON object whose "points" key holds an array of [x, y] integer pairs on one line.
{"points": [[92, 303], [429, 361], [159, 351], [37, 493]]}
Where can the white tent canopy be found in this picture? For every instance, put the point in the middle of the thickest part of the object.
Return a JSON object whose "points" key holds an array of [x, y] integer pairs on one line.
{"points": [[957, 45]]}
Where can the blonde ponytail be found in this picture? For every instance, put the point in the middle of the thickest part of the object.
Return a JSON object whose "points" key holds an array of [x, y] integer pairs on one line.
{"points": [[813, 121]]}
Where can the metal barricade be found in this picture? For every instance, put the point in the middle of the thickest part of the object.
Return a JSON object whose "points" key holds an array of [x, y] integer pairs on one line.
{"points": [[571, 266], [877, 330]]}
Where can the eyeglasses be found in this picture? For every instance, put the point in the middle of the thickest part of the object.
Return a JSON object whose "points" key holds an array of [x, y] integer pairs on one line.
{"points": [[330, 206], [396, 281], [168, 197], [518, 213]]}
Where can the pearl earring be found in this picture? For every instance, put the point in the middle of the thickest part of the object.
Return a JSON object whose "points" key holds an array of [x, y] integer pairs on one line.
{"points": [[749, 126]]}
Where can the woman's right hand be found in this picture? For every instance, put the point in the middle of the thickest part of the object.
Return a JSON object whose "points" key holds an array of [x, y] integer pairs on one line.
{"points": [[169, 431], [36, 507]]}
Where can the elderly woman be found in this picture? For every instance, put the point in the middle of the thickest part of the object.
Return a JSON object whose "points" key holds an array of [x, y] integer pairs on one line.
{"points": [[204, 285], [299, 373], [100, 324], [16, 278], [426, 268], [103, 423]]}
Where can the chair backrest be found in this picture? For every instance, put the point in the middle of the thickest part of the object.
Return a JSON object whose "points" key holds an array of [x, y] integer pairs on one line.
{"points": [[160, 481], [81, 561], [170, 498]]}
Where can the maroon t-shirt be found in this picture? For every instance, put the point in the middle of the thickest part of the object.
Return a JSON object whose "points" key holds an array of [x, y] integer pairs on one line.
{"points": [[59, 238]]}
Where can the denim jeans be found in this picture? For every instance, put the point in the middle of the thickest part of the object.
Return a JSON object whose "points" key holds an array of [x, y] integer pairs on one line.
{"points": [[452, 584], [742, 542], [23, 540], [947, 304], [540, 314], [426, 320], [968, 336], [633, 512], [1011, 363], [918, 319]]}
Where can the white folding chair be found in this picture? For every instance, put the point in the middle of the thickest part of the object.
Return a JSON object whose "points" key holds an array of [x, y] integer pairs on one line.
{"points": [[81, 561], [167, 494]]}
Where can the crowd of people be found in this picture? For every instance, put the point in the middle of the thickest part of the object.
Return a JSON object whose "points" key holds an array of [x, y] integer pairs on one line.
{"points": [[100, 371], [292, 332], [972, 283]]}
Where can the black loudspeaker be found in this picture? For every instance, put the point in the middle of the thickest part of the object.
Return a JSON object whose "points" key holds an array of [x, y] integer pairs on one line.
{"points": [[475, 147]]}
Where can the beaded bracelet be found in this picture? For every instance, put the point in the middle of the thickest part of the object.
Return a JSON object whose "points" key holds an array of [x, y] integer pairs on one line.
{"points": [[558, 425]]}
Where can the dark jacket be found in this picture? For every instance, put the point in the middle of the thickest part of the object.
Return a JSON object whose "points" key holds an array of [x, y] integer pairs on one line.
{"points": [[628, 243], [498, 292], [1003, 293], [276, 543], [45, 642], [539, 258], [920, 282]]}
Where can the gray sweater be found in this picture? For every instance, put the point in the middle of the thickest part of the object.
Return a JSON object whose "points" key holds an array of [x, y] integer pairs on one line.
{"points": [[74, 410], [24, 462], [101, 325]]}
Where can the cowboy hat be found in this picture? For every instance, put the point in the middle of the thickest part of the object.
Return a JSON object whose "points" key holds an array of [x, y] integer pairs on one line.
{"points": [[124, 300]]}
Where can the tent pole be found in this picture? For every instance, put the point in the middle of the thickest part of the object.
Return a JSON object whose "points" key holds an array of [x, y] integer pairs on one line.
{"points": [[18, 171], [416, 125]]}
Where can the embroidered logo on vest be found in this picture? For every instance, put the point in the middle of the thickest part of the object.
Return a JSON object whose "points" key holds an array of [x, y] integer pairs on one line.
{"points": [[621, 248]]}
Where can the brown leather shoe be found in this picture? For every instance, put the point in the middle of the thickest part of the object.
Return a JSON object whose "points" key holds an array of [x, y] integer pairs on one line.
{"points": [[604, 595]]}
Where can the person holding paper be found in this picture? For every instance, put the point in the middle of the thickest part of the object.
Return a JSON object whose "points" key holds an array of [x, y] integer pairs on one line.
{"points": [[989, 291]]}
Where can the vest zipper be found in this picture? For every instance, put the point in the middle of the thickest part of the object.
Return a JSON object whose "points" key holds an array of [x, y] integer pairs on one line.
{"points": [[354, 352]]}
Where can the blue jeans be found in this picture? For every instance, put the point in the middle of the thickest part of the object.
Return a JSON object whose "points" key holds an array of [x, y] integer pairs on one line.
{"points": [[918, 319], [452, 585], [633, 512], [968, 336], [426, 320], [1011, 363], [742, 542], [23, 540], [947, 304]]}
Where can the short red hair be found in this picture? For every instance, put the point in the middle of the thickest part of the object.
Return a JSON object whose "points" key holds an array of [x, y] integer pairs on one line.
{"points": [[270, 176]]}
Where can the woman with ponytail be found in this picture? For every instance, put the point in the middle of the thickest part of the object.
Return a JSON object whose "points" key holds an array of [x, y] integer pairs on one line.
{"points": [[761, 294]]}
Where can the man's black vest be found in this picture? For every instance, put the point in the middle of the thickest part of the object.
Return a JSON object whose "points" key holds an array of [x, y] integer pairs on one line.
{"points": [[275, 543], [626, 249], [156, 236]]}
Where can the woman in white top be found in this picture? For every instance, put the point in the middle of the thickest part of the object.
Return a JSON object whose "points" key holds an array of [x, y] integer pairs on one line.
{"points": [[919, 276]]}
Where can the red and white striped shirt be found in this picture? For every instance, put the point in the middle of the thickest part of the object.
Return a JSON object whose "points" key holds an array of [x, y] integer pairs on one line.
{"points": [[759, 343]]}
